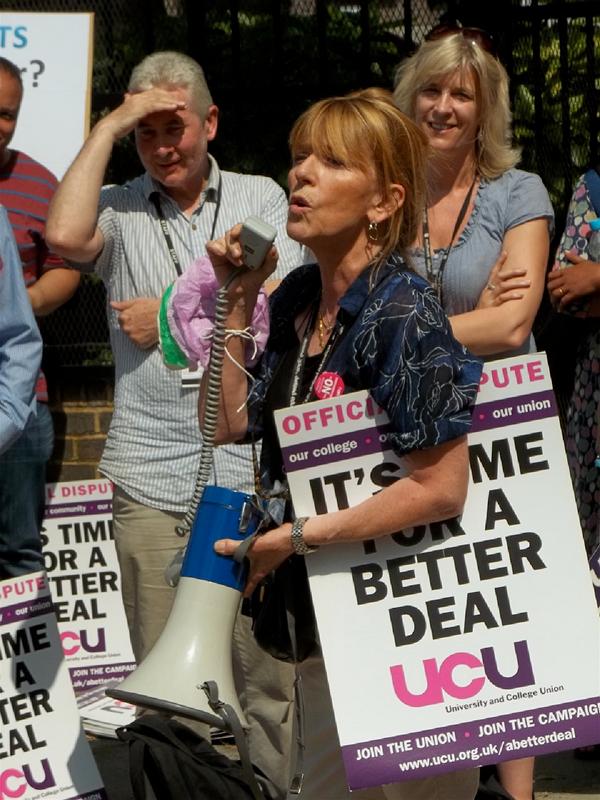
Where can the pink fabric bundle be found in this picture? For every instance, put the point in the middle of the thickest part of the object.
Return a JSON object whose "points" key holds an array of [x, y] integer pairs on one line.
{"points": [[190, 313]]}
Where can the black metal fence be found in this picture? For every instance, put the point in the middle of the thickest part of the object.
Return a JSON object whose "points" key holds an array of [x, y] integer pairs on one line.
{"points": [[266, 60]]}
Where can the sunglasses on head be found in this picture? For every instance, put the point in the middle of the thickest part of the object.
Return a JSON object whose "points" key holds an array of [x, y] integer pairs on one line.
{"points": [[477, 35]]}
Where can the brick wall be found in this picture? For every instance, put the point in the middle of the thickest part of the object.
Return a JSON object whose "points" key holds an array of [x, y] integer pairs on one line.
{"points": [[81, 405]]}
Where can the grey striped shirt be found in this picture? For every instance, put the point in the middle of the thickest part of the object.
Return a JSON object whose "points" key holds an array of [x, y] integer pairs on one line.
{"points": [[153, 444]]}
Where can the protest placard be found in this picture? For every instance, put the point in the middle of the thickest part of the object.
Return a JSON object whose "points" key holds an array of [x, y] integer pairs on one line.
{"points": [[83, 572], [460, 643], [37, 703], [55, 55], [102, 715]]}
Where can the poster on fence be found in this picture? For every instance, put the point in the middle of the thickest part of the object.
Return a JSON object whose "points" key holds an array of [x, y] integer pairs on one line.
{"points": [[38, 703], [460, 643], [83, 572], [55, 55]]}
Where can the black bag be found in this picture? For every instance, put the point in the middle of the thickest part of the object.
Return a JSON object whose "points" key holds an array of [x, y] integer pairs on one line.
{"points": [[179, 764], [283, 619]]}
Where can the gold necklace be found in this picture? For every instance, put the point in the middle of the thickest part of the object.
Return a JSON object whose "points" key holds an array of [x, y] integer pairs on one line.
{"points": [[324, 329]]}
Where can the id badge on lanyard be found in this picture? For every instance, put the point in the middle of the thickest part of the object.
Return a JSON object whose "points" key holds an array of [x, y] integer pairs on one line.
{"points": [[190, 378]]}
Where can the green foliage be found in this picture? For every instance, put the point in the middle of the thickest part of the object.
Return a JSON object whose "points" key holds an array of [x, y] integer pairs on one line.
{"points": [[98, 356], [285, 63]]}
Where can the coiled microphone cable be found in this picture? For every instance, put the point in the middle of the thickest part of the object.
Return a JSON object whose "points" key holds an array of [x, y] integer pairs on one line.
{"points": [[209, 424], [211, 406]]}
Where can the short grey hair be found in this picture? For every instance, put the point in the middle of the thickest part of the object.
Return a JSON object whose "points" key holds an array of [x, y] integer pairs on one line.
{"points": [[173, 69]]}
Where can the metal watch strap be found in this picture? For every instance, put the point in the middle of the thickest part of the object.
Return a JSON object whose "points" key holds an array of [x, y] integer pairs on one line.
{"points": [[298, 543]]}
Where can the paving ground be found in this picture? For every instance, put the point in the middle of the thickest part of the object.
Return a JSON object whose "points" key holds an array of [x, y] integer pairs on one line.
{"points": [[562, 777], [558, 777]]}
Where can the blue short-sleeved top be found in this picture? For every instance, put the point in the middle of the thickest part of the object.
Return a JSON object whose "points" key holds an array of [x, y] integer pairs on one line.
{"points": [[500, 204], [397, 343]]}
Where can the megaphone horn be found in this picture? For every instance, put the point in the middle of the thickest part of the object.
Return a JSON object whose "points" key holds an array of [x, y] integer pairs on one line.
{"points": [[195, 645]]}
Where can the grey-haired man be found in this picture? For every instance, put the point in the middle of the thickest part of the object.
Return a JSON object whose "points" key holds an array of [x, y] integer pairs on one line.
{"points": [[152, 448]]}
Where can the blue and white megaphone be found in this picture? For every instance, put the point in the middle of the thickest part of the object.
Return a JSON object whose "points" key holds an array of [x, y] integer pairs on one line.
{"points": [[195, 645]]}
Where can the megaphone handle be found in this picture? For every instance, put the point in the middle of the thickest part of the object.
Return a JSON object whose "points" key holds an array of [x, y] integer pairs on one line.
{"points": [[241, 551], [232, 722]]}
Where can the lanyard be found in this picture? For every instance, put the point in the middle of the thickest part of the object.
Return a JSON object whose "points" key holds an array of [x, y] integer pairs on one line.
{"points": [[155, 199], [301, 360], [436, 280], [281, 491]]}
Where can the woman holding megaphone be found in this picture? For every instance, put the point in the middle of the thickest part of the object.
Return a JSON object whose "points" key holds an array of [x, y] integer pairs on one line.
{"points": [[361, 314]]}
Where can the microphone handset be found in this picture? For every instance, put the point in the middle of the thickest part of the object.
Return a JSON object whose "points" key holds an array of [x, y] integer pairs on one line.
{"points": [[256, 238]]}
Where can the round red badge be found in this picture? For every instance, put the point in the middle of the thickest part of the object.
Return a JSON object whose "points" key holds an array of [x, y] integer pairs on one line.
{"points": [[328, 384]]}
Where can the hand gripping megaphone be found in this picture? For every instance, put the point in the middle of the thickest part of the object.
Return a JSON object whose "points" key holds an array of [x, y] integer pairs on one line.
{"points": [[195, 645]]}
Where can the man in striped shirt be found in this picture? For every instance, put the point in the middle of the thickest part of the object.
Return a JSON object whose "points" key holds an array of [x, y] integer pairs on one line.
{"points": [[26, 188], [138, 237]]}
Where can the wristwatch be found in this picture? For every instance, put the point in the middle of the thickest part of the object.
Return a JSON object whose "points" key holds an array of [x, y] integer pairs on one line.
{"points": [[298, 543]]}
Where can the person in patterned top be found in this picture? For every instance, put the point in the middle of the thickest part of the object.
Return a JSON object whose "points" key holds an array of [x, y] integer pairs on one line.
{"points": [[576, 290], [356, 198]]}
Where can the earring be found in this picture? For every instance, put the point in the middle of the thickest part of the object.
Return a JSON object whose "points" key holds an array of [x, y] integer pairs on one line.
{"points": [[373, 232]]}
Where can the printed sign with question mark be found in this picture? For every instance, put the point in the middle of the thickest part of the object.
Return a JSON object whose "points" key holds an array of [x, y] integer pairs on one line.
{"points": [[38, 67], [56, 82]]}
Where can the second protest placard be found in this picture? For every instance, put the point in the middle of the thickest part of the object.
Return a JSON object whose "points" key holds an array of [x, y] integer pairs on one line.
{"points": [[460, 643]]}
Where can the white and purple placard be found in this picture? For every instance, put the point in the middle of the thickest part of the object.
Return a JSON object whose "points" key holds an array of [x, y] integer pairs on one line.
{"points": [[43, 750], [460, 643], [102, 715], [83, 572]]}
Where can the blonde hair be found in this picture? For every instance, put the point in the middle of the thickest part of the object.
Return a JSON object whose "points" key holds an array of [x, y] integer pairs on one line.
{"points": [[440, 57], [173, 69], [364, 130]]}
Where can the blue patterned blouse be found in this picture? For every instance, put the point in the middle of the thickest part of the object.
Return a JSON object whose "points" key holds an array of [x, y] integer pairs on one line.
{"points": [[397, 343]]}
